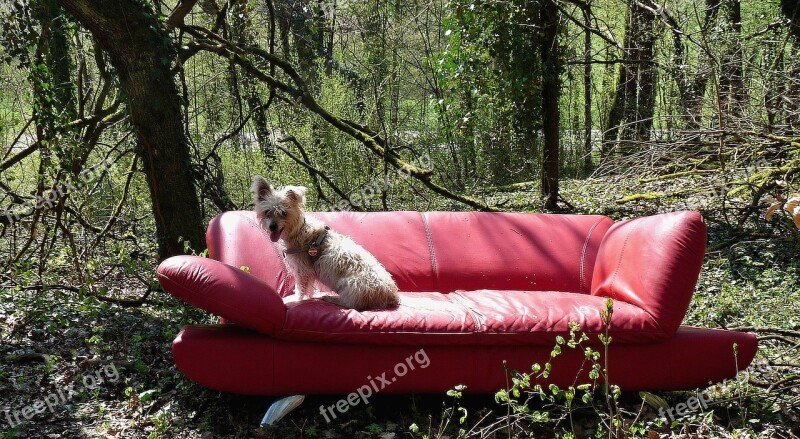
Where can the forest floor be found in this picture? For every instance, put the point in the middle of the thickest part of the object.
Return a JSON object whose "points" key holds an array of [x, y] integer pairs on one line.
{"points": [[93, 369]]}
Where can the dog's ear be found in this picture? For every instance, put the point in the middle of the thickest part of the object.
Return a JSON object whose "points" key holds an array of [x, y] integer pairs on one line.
{"points": [[297, 194], [261, 188]]}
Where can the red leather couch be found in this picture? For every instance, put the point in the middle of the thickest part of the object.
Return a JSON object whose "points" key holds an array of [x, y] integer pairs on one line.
{"points": [[478, 289]]}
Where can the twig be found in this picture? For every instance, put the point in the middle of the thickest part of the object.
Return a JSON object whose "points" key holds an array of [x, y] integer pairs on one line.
{"points": [[180, 12], [118, 208], [125, 303], [28, 357], [762, 329]]}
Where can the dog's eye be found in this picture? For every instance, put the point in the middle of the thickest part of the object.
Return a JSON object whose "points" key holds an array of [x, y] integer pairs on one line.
{"points": [[274, 213]]}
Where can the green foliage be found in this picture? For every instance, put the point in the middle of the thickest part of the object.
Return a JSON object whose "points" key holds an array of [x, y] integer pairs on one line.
{"points": [[459, 81], [491, 73]]}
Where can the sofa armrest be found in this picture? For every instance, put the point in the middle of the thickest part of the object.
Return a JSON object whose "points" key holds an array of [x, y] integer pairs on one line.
{"points": [[229, 292], [653, 263]]}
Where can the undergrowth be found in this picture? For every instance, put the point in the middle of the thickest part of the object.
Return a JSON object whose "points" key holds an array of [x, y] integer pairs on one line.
{"points": [[52, 337]]}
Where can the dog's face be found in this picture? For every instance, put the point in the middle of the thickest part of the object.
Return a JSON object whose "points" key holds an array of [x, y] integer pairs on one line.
{"points": [[278, 211]]}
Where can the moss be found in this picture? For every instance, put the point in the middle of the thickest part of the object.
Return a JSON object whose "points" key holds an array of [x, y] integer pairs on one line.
{"points": [[643, 196]]}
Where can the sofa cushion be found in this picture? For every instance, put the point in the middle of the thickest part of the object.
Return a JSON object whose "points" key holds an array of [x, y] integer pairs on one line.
{"points": [[397, 239], [437, 251], [514, 251], [226, 291], [483, 317]]}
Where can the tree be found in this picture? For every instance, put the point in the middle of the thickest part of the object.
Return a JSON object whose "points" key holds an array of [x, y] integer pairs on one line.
{"points": [[791, 10], [587, 87], [731, 77], [631, 113], [141, 52], [551, 91], [494, 73]]}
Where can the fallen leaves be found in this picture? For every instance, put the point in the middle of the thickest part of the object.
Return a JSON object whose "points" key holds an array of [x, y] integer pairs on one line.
{"points": [[791, 205]]}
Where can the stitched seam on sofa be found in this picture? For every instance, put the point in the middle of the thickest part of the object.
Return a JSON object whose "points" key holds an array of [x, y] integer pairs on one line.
{"points": [[289, 332], [616, 272], [371, 332], [285, 271], [431, 250], [457, 299], [583, 254], [621, 254]]}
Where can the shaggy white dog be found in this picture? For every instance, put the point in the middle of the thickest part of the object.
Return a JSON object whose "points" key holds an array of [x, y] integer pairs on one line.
{"points": [[313, 252]]}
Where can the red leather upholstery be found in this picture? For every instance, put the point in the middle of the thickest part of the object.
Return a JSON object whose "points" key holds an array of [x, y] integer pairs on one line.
{"points": [[477, 288], [232, 359], [224, 290], [483, 317], [237, 239], [437, 251], [653, 263]]}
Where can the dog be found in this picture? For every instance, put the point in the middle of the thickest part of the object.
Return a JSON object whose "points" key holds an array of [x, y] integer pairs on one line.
{"points": [[313, 252]]}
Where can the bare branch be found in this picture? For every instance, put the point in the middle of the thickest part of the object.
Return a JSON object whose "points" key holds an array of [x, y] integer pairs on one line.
{"points": [[180, 12]]}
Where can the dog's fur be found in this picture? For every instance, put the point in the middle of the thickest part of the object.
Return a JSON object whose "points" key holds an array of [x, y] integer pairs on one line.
{"points": [[341, 264]]}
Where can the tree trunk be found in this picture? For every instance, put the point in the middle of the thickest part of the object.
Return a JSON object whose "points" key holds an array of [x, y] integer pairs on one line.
{"points": [[59, 64], [140, 51], [793, 104], [241, 33], [631, 114], [692, 86], [791, 10], [731, 79], [625, 93], [648, 76], [551, 90], [587, 90]]}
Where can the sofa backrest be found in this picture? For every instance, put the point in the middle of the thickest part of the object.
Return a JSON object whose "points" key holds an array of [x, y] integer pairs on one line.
{"points": [[438, 251]]}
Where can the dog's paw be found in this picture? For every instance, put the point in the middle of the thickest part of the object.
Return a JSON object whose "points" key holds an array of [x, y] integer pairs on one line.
{"points": [[336, 300], [300, 294]]}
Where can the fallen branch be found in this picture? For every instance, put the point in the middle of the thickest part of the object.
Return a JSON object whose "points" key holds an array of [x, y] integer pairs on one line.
{"points": [[125, 303], [655, 195], [513, 187], [28, 358], [299, 93], [766, 330], [180, 12], [676, 175]]}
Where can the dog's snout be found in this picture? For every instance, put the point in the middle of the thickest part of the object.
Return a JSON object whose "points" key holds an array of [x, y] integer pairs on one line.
{"points": [[273, 226]]}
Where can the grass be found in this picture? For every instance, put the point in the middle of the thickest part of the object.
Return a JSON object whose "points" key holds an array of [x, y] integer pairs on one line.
{"points": [[51, 339]]}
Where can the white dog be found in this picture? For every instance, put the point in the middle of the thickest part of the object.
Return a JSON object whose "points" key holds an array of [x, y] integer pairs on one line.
{"points": [[313, 252]]}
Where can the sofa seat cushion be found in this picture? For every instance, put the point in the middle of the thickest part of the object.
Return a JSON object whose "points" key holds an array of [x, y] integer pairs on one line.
{"points": [[482, 317]]}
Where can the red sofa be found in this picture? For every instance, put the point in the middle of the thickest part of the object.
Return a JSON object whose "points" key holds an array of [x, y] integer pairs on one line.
{"points": [[478, 289]]}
